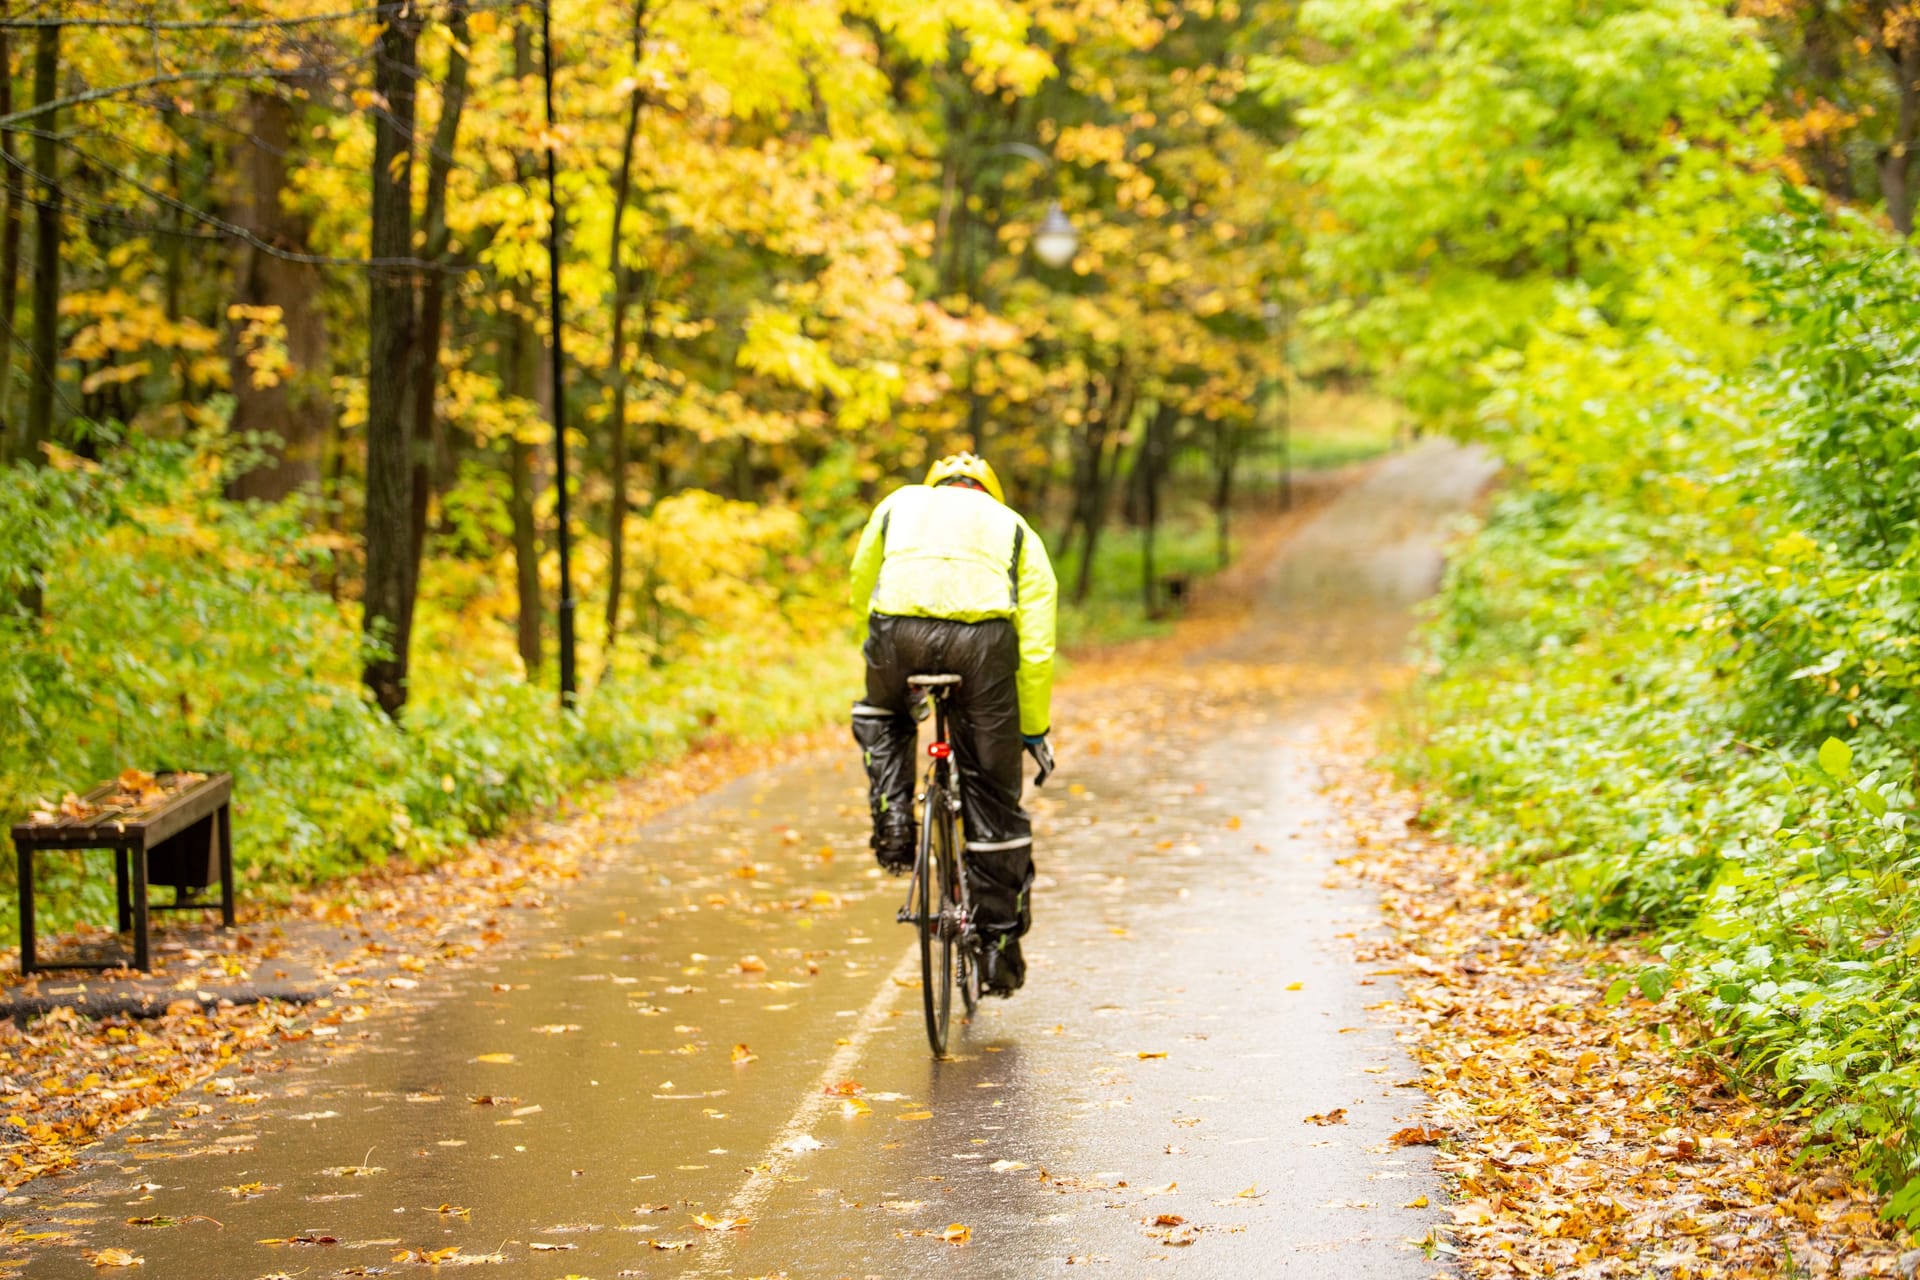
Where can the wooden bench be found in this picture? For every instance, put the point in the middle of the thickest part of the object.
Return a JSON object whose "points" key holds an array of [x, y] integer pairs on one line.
{"points": [[184, 839]]}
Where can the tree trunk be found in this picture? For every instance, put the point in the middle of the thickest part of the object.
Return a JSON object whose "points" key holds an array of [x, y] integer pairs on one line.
{"points": [[1821, 42], [1225, 459], [1150, 515], [9, 252], [46, 249], [1112, 418], [623, 280], [1896, 158], [523, 374], [433, 283], [292, 415], [390, 360], [175, 257]]}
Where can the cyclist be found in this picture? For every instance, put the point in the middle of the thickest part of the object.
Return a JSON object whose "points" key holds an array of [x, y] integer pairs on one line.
{"points": [[952, 580]]}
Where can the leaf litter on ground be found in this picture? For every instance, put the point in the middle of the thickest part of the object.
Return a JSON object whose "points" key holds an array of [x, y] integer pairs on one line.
{"points": [[1580, 1138]]}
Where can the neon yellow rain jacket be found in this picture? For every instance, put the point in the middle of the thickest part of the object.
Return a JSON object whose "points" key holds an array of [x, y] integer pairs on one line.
{"points": [[954, 552]]}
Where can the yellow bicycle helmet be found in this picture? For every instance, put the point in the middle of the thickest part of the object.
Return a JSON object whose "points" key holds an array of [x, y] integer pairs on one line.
{"points": [[965, 466]]}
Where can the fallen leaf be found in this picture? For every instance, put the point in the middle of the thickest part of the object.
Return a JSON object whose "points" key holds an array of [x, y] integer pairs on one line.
{"points": [[249, 1190], [114, 1258], [1336, 1116], [743, 1054], [1419, 1135], [1148, 1053], [957, 1233], [1007, 1166], [497, 1059], [708, 1222], [431, 1257]]}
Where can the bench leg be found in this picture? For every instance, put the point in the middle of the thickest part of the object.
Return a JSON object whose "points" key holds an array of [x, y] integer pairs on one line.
{"points": [[139, 858], [26, 911], [223, 818], [121, 896]]}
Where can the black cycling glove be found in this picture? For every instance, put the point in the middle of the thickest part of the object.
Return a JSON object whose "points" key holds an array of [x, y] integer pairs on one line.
{"points": [[1042, 754]]}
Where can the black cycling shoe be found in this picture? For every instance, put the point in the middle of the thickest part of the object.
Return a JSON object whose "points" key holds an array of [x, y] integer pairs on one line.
{"points": [[894, 845], [1002, 969]]}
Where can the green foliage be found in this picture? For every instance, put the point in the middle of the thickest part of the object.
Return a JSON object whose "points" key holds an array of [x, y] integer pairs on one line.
{"points": [[1470, 159], [181, 630], [1674, 675]]}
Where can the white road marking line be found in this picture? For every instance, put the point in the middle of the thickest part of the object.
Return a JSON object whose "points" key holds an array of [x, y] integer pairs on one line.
{"points": [[766, 1176]]}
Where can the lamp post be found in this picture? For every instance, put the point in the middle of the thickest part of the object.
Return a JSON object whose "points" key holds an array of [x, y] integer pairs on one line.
{"points": [[556, 226]]}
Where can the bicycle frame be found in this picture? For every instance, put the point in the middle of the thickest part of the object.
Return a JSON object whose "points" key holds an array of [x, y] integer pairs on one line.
{"points": [[948, 925], [943, 772]]}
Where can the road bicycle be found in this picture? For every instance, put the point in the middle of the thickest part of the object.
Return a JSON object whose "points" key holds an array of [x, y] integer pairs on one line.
{"points": [[937, 903]]}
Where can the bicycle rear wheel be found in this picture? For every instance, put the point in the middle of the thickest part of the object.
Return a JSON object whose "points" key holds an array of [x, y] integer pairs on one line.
{"points": [[935, 874]]}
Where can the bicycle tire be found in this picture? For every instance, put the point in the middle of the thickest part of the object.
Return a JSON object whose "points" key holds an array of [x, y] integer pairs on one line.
{"points": [[936, 943]]}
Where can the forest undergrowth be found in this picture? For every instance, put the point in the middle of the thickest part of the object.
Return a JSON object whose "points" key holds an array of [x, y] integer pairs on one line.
{"points": [[1585, 1126], [1672, 677]]}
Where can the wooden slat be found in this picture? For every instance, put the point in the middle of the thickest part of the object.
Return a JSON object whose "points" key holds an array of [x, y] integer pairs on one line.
{"points": [[134, 827]]}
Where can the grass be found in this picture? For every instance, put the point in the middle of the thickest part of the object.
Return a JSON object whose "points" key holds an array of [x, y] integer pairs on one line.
{"points": [[1115, 609]]}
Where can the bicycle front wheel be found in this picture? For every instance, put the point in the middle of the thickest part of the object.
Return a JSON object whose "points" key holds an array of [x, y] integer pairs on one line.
{"points": [[935, 872]]}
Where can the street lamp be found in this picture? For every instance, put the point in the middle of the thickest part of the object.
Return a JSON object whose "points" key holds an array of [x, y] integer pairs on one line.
{"points": [[1056, 240]]}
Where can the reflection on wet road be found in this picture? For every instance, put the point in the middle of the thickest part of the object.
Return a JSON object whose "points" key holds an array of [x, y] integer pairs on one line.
{"points": [[710, 1062]]}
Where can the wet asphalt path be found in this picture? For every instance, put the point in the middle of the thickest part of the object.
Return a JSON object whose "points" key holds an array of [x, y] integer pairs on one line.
{"points": [[710, 1061]]}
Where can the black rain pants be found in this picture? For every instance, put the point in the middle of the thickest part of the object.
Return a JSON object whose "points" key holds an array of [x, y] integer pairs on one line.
{"points": [[984, 727]]}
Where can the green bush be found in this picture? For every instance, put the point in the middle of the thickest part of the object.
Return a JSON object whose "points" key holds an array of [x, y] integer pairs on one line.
{"points": [[1674, 675]]}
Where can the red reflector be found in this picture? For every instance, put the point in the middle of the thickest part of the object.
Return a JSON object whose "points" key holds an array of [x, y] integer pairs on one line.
{"points": [[939, 750]]}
